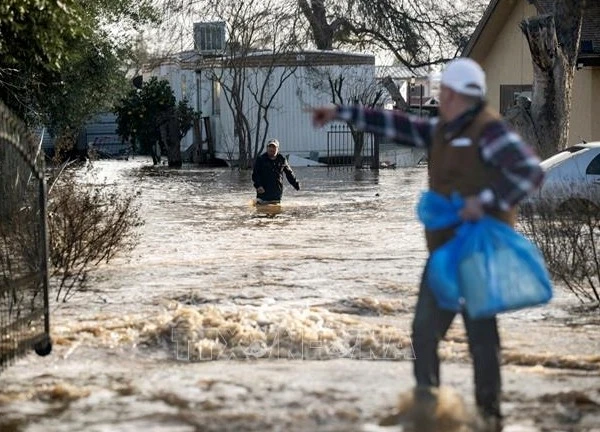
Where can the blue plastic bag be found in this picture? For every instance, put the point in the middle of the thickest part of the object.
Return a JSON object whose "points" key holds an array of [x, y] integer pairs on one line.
{"points": [[436, 211], [500, 270], [487, 267], [442, 272]]}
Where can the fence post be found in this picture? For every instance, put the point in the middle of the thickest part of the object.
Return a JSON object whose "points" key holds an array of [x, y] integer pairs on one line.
{"points": [[375, 158]]}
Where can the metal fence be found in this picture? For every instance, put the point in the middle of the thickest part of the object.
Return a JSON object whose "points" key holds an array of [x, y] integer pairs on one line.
{"points": [[341, 141], [24, 313], [109, 147]]}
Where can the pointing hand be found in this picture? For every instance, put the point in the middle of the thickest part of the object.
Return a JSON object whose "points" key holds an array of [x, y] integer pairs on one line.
{"points": [[323, 115]]}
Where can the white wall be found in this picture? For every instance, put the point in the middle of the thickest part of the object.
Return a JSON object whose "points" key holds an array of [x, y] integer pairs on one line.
{"points": [[288, 120]]}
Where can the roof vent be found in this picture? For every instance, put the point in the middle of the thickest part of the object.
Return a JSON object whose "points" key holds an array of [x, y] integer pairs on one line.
{"points": [[209, 37]]}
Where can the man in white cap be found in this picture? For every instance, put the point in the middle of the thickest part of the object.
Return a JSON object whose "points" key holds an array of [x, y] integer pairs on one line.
{"points": [[473, 151], [267, 175]]}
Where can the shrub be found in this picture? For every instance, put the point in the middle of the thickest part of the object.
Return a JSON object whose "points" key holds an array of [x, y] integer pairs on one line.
{"points": [[569, 238], [88, 223]]}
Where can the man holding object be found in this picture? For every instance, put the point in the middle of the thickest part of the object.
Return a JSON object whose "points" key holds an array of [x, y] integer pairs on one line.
{"points": [[474, 152]]}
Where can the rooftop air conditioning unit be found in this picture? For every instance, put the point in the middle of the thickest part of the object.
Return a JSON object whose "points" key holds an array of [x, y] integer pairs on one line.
{"points": [[209, 37]]}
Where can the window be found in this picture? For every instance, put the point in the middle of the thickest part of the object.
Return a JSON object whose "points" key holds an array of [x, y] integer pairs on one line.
{"points": [[183, 87], [509, 94], [209, 37], [587, 46], [216, 97], [594, 166]]}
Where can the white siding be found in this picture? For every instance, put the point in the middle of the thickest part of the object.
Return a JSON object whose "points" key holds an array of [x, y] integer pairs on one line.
{"points": [[288, 121]]}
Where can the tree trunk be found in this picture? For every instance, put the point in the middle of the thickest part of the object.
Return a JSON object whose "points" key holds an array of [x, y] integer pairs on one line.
{"points": [[359, 142], [519, 116], [394, 91], [155, 153], [554, 44], [174, 144], [170, 135], [242, 139], [323, 32], [198, 155]]}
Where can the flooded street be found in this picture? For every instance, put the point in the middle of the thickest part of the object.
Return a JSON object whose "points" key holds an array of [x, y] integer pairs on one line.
{"points": [[226, 319]]}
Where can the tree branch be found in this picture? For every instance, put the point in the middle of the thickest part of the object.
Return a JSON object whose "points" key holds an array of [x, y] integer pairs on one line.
{"points": [[569, 18], [541, 37]]}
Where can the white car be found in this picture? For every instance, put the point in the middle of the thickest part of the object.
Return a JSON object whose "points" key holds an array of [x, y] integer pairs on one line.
{"points": [[572, 179]]}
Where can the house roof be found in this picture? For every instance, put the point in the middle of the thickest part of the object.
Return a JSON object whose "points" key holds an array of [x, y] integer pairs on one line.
{"points": [[492, 21], [498, 12], [590, 35], [401, 72], [299, 58], [193, 60]]}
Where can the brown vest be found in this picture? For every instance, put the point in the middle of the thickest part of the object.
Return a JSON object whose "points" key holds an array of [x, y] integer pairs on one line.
{"points": [[461, 169]]}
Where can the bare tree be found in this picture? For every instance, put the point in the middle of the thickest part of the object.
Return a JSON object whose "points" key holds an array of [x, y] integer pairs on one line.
{"points": [[257, 63], [88, 223], [553, 37], [365, 90], [568, 239], [416, 32]]}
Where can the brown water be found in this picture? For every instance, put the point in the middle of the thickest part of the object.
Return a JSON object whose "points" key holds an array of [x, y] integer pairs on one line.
{"points": [[226, 319]]}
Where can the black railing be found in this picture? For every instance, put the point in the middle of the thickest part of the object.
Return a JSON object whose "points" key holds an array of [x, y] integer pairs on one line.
{"points": [[24, 312], [346, 147]]}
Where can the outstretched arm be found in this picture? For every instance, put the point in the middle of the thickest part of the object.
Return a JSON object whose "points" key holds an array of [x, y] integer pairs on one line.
{"points": [[405, 128]]}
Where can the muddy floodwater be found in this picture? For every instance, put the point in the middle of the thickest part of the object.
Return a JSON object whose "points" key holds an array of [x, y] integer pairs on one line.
{"points": [[228, 319]]}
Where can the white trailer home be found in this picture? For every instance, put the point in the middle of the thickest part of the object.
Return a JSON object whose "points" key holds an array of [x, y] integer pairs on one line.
{"points": [[313, 78]]}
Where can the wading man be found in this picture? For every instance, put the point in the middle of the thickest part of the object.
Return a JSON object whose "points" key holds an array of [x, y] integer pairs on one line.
{"points": [[267, 175], [474, 152]]}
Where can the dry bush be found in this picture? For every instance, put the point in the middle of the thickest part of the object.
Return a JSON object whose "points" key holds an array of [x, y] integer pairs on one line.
{"points": [[88, 224], [569, 238]]}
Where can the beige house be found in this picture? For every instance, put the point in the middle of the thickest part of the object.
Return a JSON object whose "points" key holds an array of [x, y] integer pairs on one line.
{"points": [[500, 47]]}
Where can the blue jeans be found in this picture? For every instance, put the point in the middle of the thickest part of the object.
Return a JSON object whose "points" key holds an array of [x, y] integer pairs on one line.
{"points": [[431, 323]]}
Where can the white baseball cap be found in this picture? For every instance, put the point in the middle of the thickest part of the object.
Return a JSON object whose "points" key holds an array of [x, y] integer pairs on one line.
{"points": [[273, 142], [465, 76]]}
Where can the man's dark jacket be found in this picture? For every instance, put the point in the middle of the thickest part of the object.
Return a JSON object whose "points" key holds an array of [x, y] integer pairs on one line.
{"points": [[268, 173]]}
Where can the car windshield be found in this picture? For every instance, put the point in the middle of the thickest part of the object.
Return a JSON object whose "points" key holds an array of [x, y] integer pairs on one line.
{"points": [[559, 157]]}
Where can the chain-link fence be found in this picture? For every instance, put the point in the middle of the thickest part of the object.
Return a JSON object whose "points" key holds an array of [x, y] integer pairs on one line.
{"points": [[24, 313]]}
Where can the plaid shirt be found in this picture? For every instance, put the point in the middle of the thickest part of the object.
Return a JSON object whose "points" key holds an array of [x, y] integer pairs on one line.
{"points": [[500, 147]]}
